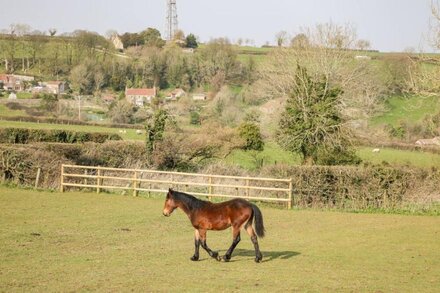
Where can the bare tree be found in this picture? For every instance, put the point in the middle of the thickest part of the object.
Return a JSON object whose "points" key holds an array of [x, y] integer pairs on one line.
{"points": [[327, 53], [424, 71], [363, 45], [281, 38]]}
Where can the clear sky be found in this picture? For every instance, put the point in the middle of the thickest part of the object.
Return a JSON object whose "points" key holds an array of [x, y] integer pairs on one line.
{"points": [[390, 25]]}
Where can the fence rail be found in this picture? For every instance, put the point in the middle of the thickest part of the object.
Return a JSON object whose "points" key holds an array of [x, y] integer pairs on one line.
{"points": [[137, 180]]}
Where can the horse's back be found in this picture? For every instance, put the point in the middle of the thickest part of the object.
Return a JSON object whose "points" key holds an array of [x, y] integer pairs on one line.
{"points": [[219, 216]]}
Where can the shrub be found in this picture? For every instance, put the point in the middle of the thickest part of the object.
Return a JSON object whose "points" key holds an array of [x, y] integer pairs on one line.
{"points": [[250, 132], [24, 136]]}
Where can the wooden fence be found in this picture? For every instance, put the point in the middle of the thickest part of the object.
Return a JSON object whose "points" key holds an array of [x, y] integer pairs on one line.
{"points": [[99, 178]]}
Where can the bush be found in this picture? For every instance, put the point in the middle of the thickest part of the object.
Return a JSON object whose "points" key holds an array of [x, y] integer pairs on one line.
{"points": [[359, 188], [194, 118], [25, 136], [250, 132]]}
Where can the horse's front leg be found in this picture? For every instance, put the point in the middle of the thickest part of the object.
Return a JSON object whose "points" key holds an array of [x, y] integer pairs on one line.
{"points": [[195, 257], [213, 254], [236, 239]]}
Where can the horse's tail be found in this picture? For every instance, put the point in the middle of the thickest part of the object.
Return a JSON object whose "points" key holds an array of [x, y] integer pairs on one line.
{"points": [[259, 226]]}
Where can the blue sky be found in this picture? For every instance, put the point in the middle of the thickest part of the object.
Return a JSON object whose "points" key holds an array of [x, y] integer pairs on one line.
{"points": [[390, 25]]}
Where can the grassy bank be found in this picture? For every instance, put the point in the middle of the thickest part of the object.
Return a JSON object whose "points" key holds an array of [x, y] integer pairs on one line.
{"points": [[88, 242]]}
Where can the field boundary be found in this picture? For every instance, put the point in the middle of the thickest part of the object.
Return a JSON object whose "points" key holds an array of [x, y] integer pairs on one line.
{"points": [[209, 185]]}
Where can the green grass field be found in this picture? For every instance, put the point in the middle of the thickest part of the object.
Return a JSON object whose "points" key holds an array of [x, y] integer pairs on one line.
{"points": [[52, 242], [410, 109], [272, 154], [400, 157], [129, 135], [6, 112]]}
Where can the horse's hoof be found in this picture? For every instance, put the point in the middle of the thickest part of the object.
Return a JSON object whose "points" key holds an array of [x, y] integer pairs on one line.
{"points": [[226, 258], [216, 256], [194, 258], [258, 259]]}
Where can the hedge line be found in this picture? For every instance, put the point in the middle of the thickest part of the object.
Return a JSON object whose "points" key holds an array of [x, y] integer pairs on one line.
{"points": [[25, 136], [66, 121], [363, 187], [347, 188]]}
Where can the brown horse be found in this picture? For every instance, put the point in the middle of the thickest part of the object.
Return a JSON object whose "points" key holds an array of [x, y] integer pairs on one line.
{"points": [[205, 215]]}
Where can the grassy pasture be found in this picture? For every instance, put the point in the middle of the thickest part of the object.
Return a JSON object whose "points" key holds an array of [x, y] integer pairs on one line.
{"points": [[400, 157], [88, 242], [129, 135], [410, 109]]}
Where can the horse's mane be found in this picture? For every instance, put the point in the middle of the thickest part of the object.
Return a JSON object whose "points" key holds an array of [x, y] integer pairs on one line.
{"points": [[190, 201]]}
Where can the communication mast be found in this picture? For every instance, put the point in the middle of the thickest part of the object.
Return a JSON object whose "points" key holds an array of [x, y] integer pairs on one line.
{"points": [[171, 21]]}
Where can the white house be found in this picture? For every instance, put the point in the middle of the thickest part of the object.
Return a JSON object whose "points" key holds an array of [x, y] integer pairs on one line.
{"points": [[139, 97], [117, 42], [55, 87], [199, 97], [175, 94]]}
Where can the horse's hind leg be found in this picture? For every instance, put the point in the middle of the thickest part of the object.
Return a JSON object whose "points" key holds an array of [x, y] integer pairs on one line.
{"points": [[251, 232], [195, 257], [213, 254], [236, 239]]}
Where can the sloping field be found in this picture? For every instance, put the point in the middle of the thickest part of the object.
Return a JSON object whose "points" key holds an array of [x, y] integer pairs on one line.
{"points": [[88, 242]]}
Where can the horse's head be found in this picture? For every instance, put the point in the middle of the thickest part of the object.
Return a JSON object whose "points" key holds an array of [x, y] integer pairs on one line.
{"points": [[170, 203]]}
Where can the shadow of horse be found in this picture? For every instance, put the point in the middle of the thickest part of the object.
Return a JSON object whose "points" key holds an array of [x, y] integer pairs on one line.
{"points": [[267, 255]]}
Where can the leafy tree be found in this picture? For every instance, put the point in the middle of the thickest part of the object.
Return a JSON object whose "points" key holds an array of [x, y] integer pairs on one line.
{"points": [[194, 118], [121, 112], [152, 38], [250, 133], [155, 129], [49, 102], [132, 39], [312, 125], [300, 41], [191, 41]]}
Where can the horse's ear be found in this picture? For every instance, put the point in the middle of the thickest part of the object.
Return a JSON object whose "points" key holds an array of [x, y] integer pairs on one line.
{"points": [[170, 190]]}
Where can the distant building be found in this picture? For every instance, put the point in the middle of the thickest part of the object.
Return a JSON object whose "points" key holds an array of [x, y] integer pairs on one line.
{"points": [[117, 42], [199, 97], [140, 97], [108, 98], [362, 57], [428, 142], [55, 87], [14, 82], [188, 50], [175, 94]]}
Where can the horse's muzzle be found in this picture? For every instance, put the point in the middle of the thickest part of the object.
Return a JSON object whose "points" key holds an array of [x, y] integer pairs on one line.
{"points": [[165, 214]]}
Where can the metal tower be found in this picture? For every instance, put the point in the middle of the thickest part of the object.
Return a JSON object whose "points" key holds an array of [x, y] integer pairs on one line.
{"points": [[171, 22]]}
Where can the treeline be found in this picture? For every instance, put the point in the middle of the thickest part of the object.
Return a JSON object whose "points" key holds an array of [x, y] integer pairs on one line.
{"points": [[91, 63], [210, 67]]}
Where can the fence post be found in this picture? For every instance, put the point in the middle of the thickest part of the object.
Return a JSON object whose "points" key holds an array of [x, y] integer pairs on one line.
{"points": [[289, 203], [62, 179], [210, 188], [86, 182], [37, 179], [98, 180], [135, 183], [247, 189]]}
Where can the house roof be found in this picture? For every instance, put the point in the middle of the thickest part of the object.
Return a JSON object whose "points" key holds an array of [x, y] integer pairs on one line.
{"points": [[4, 77], [140, 92]]}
